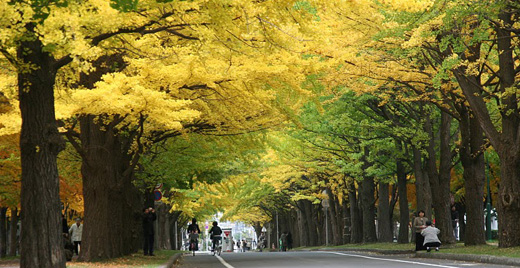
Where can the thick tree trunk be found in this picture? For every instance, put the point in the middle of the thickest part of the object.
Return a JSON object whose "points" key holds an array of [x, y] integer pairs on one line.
{"points": [[13, 243], [422, 184], [335, 217], [302, 223], [312, 230], [508, 146], [163, 226], [40, 144], [346, 222], [368, 210], [112, 223], [440, 179], [175, 230], [3, 232], [404, 213], [356, 223], [383, 219], [472, 159]]}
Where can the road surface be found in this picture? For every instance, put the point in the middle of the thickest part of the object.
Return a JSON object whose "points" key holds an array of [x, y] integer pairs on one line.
{"points": [[319, 259]]}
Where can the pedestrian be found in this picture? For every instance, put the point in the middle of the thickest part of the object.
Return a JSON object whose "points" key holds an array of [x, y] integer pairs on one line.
{"points": [[261, 242], [75, 233], [289, 241], [238, 246], [430, 237], [148, 232], [419, 223], [455, 221], [244, 245], [283, 241]]}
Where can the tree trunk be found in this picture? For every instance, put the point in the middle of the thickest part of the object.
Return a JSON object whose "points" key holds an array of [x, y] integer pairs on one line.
{"points": [[40, 144], [440, 179], [302, 223], [356, 227], [404, 213], [163, 226], [422, 185], [368, 210], [472, 159], [3, 232], [335, 217], [383, 219], [13, 244], [346, 222], [112, 203], [175, 230], [312, 230]]}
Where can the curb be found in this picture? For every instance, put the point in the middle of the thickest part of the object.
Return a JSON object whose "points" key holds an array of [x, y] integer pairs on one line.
{"points": [[171, 262], [471, 258]]}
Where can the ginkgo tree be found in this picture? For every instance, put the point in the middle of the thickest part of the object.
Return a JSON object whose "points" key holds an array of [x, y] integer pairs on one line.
{"points": [[42, 37]]}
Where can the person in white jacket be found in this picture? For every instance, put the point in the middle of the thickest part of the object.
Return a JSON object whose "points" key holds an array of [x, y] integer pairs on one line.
{"points": [[75, 232], [430, 237]]}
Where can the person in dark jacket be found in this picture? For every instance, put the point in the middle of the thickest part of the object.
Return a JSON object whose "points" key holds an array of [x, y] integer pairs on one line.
{"points": [[148, 218]]}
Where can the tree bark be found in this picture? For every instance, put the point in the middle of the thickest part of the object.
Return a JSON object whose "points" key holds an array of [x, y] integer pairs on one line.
{"points": [[384, 224], [13, 244], [356, 227], [404, 213], [472, 159], [368, 210], [112, 203], [40, 144], [3, 232], [163, 226], [422, 184], [440, 179]]}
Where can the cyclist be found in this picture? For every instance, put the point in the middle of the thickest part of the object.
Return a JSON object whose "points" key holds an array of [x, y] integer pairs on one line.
{"points": [[215, 235], [194, 231]]}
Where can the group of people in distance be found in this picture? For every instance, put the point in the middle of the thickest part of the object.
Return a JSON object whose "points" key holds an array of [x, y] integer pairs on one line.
{"points": [[193, 232], [425, 233]]}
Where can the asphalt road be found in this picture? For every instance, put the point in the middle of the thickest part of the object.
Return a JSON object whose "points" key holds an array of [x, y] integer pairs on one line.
{"points": [[322, 259]]}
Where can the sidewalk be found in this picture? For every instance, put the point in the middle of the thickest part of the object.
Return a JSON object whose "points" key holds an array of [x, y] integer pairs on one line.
{"points": [[16, 263], [435, 255]]}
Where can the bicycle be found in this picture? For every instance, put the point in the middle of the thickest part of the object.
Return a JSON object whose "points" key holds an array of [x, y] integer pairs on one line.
{"points": [[217, 246]]}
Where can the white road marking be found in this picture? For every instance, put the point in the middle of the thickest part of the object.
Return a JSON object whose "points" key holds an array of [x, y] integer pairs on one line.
{"points": [[393, 260], [224, 262]]}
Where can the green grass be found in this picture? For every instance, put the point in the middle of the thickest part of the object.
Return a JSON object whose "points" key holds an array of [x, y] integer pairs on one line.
{"points": [[459, 248], [387, 246], [492, 250], [133, 260]]}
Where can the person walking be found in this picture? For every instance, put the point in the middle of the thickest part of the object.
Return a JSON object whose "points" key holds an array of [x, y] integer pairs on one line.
{"points": [[75, 232], [431, 240], [289, 241], [283, 241], [419, 223], [455, 221], [148, 232]]}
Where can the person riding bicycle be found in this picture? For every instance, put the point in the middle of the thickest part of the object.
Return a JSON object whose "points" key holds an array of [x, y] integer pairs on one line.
{"points": [[215, 235], [193, 232]]}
